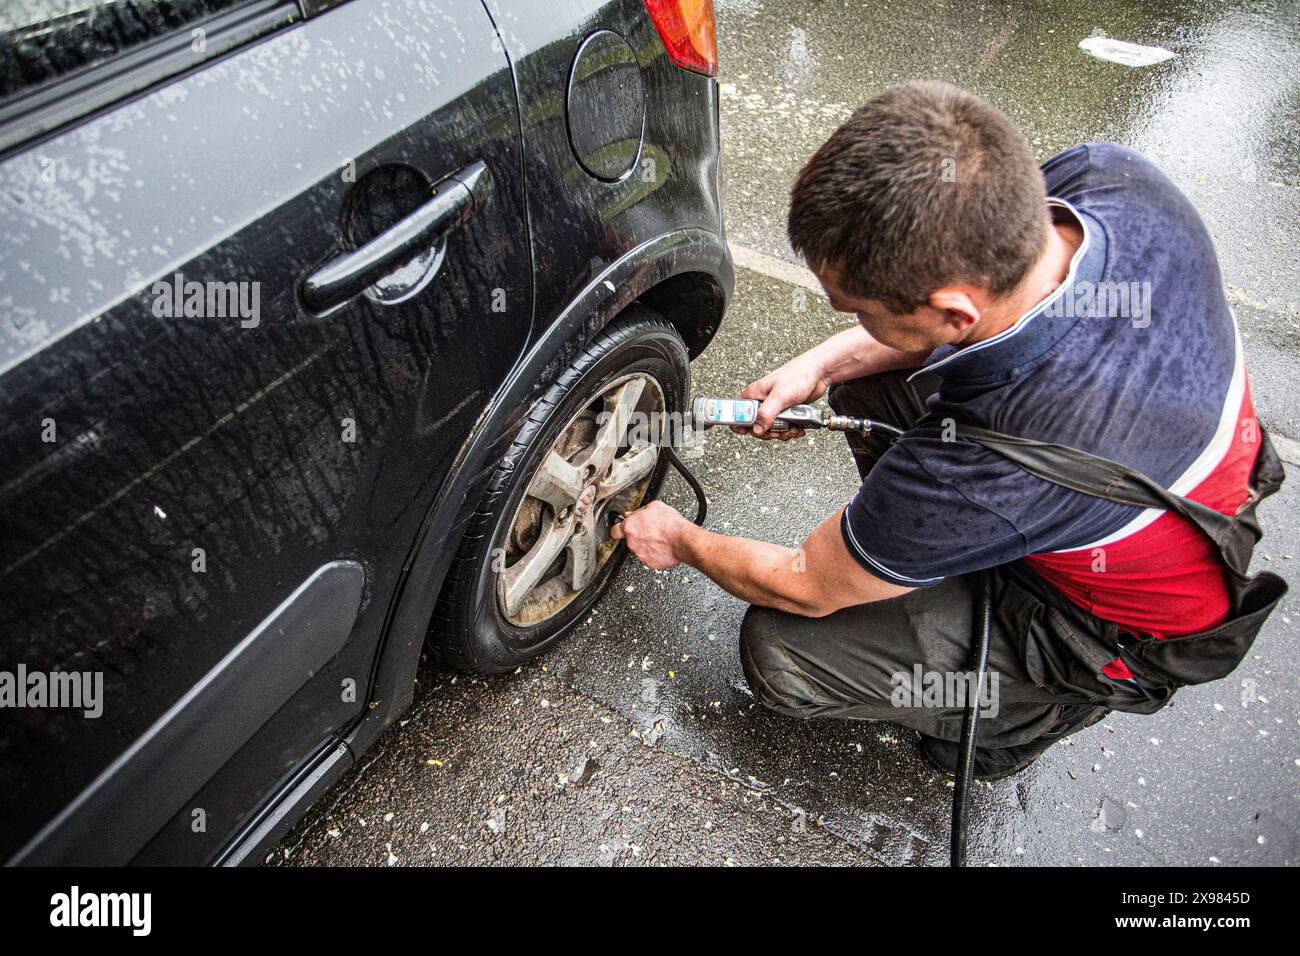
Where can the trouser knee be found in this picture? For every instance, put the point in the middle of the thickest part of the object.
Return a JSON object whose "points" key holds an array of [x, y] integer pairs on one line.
{"points": [[775, 679], [896, 398], [864, 397]]}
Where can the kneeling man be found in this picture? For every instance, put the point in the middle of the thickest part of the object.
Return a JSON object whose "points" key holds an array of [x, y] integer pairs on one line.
{"points": [[1079, 438]]}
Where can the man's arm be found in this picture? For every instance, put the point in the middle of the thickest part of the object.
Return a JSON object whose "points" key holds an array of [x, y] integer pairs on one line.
{"points": [[846, 355], [853, 353], [813, 581]]}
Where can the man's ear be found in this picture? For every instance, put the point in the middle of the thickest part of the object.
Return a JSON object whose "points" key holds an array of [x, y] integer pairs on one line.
{"points": [[958, 306]]}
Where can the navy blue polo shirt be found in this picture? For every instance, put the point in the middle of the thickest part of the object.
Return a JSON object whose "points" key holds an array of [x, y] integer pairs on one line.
{"points": [[1135, 358]]}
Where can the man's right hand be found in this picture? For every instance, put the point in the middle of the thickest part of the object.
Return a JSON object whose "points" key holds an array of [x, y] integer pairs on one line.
{"points": [[798, 380]]}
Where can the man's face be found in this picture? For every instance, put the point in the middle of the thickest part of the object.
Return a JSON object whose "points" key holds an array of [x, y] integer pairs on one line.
{"points": [[922, 330]]}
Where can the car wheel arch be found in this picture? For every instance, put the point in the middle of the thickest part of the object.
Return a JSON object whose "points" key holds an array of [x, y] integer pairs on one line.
{"points": [[678, 274]]}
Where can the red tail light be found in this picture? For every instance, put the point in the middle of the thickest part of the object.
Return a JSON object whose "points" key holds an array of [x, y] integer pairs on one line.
{"points": [[686, 28]]}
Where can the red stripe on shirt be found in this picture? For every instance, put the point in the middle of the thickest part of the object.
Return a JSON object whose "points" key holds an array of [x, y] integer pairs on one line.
{"points": [[1165, 579]]}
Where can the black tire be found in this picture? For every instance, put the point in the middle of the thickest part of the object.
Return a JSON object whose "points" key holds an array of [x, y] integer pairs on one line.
{"points": [[469, 629]]}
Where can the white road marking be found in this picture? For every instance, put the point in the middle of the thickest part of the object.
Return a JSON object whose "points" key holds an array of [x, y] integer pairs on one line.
{"points": [[774, 268], [1288, 449]]}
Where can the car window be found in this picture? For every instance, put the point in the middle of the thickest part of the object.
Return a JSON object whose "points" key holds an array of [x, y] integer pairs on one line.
{"points": [[44, 40]]}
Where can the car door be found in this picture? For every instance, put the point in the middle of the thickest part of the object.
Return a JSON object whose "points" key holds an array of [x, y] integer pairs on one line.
{"points": [[253, 299]]}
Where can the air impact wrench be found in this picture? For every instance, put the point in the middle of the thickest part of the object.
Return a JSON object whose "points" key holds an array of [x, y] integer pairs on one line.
{"points": [[707, 412]]}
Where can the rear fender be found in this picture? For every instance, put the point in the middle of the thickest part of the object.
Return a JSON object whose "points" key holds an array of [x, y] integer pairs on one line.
{"points": [[641, 269]]}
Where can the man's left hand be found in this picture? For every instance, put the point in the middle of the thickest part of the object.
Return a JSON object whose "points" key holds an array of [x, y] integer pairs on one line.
{"points": [[652, 534]]}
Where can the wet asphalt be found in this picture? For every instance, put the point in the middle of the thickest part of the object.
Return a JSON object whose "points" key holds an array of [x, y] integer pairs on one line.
{"points": [[637, 741]]}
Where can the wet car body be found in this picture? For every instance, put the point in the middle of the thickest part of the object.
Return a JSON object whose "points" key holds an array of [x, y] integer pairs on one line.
{"points": [[236, 460]]}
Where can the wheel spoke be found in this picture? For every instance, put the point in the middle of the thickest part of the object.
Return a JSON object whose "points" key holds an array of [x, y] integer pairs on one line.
{"points": [[557, 482], [583, 557], [627, 470], [526, 573], [617, 417]]}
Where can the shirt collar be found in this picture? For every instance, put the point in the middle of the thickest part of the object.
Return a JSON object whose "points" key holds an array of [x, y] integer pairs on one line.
{"points": [[1036, 332]]}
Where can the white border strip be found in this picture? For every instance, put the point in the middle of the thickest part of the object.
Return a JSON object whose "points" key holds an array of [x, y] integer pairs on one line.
{"points": [[862, 552], [1206, 462]]}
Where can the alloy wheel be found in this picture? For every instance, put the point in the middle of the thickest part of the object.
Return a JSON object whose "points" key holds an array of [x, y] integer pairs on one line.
{"points": [[559, 539]]}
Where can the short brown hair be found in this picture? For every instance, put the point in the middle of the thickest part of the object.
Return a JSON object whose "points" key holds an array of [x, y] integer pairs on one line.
{"points": [[924, 185]]}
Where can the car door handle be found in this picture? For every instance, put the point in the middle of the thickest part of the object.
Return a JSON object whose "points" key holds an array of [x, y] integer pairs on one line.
{"points": [[342, 278]]}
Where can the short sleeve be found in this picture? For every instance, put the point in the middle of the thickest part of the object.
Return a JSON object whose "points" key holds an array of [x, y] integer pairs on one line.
{"points": [[913, 525]]}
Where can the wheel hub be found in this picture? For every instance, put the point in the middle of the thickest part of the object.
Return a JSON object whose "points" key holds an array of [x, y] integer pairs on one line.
{"points": [[558, 540]]}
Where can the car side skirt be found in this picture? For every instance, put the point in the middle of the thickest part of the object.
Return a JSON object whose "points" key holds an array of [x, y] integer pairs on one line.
{"points": [[114, 817]]}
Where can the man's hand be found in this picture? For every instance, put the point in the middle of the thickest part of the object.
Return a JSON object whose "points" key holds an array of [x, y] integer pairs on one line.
{"points": [[846, 355], [653, 534], [817, 579], [798, 380]]}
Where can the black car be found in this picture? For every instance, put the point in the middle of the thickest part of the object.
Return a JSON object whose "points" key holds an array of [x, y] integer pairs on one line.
{"points": [[322, 325]]}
